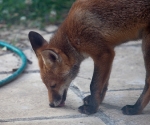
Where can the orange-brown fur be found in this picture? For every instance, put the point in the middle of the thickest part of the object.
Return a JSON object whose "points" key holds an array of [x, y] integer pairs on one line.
{"points": [[93, 28]]}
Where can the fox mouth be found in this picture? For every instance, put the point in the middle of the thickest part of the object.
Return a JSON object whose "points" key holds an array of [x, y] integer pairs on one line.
{"points": [[60, 103]]}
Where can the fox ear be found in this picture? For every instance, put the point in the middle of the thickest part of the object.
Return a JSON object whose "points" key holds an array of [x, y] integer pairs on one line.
{"points": [[36, 40], [50, 57]]}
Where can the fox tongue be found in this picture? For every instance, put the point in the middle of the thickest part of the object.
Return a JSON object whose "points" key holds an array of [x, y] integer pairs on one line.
{"points": [[61, 104]]}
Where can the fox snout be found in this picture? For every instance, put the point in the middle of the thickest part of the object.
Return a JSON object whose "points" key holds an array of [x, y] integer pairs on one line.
{"points": [[57, 100]]}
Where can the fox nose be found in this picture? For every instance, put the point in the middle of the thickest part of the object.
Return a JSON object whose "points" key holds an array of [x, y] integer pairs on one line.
{"points": [[51, 105]]}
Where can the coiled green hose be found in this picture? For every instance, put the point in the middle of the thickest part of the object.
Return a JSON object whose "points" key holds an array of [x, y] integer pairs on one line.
{"points": [[22, 67]]}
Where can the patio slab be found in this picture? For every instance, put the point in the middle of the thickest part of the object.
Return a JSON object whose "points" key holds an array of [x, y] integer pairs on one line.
{"points": [[25, 100]]}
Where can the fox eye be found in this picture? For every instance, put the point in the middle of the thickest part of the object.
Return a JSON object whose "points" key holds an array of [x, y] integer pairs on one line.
{"points": [[52, 57], [53, 86]]}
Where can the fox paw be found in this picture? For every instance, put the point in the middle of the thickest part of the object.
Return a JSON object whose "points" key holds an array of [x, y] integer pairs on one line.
{"points": [[130, 110], [87, 100], [87, 109]]}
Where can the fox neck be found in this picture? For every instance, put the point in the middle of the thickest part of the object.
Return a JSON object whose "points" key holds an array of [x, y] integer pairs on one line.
{"points": [[61, 41]]}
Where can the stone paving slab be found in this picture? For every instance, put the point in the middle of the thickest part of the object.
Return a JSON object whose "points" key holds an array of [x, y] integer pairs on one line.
{"points": [[70, 121], [82, 84], [33, 66], [86, 68], [12, 61], [25, 42], [113, 103], [25, 100], [8, 62], [27, 97]]}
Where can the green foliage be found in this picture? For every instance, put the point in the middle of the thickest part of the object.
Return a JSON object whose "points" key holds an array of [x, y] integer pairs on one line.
{"points": [[40, 12]]}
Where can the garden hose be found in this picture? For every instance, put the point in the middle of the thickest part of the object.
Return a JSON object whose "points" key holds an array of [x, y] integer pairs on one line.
{"points": [[21, 68]]}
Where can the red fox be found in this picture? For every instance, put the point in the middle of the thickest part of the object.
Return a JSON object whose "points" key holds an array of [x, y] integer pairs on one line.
{"points": [[93, 28]]}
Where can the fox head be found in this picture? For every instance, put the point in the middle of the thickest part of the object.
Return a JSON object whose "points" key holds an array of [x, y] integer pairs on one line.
{"points": [[56, 69]]}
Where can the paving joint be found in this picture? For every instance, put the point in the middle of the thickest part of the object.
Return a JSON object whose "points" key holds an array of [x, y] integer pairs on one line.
{"points": [[25, 72], [106, 119], [130, 89], [100, 114], [77, 91], [43, 118]]}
